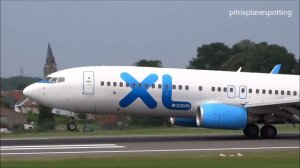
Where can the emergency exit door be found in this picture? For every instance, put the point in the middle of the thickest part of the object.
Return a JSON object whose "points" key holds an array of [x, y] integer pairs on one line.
{"points": [[88, 83]]}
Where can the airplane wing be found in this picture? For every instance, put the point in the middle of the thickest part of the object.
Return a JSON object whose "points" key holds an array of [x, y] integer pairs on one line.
{"points": [[280, 111], [287, 100]]}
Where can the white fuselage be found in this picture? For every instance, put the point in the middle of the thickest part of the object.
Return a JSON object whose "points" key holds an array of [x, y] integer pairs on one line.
{"points": [[103, 89]]}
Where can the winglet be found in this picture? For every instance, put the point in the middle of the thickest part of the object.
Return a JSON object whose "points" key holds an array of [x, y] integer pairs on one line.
{"points": [[239, 70], [276, 69]]}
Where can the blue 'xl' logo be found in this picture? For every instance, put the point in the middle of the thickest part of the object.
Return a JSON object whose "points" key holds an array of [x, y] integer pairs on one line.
{"points": [[167, 96], [139, 90]]}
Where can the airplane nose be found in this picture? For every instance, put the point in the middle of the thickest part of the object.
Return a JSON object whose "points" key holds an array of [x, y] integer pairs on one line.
{"points": [[31, 91]]}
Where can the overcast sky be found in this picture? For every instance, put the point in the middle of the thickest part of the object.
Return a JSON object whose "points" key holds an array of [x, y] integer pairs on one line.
{"points": [[121, 33]]}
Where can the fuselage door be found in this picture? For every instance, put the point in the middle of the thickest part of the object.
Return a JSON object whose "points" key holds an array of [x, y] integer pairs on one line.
{"points": [[88, 83]]}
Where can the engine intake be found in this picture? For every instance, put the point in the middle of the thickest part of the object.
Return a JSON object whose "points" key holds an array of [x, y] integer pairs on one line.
{"points": [[221, 116]]}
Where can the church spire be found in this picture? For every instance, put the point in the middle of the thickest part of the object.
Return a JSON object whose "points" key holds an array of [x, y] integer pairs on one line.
{"points": [[50, 59], [50, 65]]}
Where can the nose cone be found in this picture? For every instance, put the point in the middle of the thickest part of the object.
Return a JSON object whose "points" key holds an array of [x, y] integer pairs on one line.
{"points": [[32, 92]]}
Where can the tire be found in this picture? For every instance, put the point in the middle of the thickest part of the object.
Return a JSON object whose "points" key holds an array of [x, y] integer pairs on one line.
{"points": [[251, 131], [268, 132], [71, 126]]}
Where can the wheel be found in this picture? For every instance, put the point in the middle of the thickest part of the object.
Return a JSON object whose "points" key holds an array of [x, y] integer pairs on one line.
{"points": [[268, 132], [251, 131], [71, 126]]}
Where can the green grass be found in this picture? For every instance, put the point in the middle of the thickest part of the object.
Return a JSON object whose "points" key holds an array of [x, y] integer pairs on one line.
{"points": [[138, 132], [286, 159]]}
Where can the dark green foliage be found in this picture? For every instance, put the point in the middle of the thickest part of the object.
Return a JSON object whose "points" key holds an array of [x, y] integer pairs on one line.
{"points": [[149, 121], [210, 56], [46, 119], [17, 82], [252, 57], [82, 116], [148, 63]]}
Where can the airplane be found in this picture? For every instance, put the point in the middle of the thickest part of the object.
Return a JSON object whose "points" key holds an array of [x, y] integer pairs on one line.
{"points": [[191, 98]]}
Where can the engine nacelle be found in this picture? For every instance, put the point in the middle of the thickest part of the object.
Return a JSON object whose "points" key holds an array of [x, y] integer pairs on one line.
{"points": [[221, 116], [187, 122]]}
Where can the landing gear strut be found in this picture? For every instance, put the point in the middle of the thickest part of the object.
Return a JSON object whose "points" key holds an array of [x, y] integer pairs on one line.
{"points": [[267, 131], [72, 125]]}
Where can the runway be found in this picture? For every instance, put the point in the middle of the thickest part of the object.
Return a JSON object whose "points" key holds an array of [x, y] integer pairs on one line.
{"points": [[106, 146]]}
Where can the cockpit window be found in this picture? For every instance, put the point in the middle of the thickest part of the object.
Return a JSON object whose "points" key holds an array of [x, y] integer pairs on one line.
{"points": [[53, 80], [60, 79], [47, 78]]}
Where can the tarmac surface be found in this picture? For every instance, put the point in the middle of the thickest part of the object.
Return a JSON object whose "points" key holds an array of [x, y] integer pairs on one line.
{"points": [[127, 145]]}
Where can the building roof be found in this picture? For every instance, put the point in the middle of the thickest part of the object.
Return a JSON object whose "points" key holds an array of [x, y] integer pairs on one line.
{"points": [[24, 101]]}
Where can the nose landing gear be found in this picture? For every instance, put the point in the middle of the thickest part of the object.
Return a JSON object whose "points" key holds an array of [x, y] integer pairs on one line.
{"points": [[72, 125]]}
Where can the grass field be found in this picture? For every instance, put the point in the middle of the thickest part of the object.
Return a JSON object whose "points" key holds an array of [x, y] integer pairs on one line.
{"points": [[138, 131], [281, 159]]}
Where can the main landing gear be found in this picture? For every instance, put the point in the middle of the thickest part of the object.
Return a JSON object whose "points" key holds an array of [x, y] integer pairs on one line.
{"points": [[266, 131], [72, 125]]}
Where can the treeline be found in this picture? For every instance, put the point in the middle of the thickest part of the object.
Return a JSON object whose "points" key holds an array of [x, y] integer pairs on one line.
{"points": [[17, 82], [251, 56]]}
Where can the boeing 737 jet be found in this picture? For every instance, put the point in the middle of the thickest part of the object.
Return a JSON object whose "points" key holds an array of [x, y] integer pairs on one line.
{"points": [[192, 98]]}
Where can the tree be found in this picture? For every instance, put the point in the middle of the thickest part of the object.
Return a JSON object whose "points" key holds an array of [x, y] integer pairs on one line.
{"points": [[148, 63], [250, 56], [297, 67], [46, 118], [210, 56]]}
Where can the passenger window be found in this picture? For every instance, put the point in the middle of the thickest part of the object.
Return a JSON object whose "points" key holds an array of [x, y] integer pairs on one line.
{"points": [[264, 91], [231, 89], [282, 92], [213, 89], [219, 89], [174, 87], [102, 83], [121, 84], [115, 84], [288, 92], [133, 84], [186, 87], [153, 86], [276, 92], [108, 84], [146, 85], [295, 93], [180, 87], [257, 91], [270, 91], [166, 86], [250, 91], [60, 79], [127, 84], [225, 89], [140, 85], [200, 88], [243, 90], [159, 86]]}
